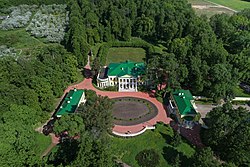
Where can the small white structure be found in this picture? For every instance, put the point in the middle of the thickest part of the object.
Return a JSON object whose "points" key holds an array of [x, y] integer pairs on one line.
{"points": [[125, 75]]}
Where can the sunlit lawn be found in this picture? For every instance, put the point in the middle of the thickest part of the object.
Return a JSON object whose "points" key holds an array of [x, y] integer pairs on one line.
{"points": [[42, 142], [126, 149], [234, 4], [120, 54]]}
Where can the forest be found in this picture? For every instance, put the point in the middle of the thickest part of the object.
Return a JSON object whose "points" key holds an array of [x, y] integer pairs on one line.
{"points": [[208, 56]]}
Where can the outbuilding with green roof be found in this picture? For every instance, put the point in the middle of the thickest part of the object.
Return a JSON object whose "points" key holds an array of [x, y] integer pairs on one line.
{"points": [[71, 101], [181, 104]]}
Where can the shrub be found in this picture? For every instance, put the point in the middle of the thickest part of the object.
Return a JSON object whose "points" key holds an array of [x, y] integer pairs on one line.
{"points": [[147, 158], [6, 51]]}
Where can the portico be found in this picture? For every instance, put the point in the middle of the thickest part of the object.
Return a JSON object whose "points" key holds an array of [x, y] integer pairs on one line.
{"points": [[127, 84]]}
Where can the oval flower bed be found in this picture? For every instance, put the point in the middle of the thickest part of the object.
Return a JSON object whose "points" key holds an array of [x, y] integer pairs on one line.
{"points": [[131, 111]]}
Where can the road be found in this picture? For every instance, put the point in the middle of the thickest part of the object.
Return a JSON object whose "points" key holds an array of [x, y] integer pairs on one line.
{"points": [[206, 108]]}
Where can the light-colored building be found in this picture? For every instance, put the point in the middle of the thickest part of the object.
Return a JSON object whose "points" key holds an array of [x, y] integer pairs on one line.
{"points": [[182, 106], [71, 102], [127, 76]]}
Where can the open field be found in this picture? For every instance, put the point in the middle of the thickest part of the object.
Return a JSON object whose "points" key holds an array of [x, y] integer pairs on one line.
{"points": [[19, 39], [233, 4], [116, 55], [127, 149], [203, 7]]}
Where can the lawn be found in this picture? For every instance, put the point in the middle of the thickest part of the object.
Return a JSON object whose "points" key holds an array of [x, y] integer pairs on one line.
{"points": [[19, 39], [42, 142], [240, 92], [119, 54], [199, 2], [233, 4], [127, 149]]}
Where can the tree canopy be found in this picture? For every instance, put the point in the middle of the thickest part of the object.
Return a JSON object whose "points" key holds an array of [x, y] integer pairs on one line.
{"points": [[229, 133]]}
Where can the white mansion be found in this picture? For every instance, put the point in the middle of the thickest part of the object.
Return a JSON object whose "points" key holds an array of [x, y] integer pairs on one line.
{"points": [[126, 75]]}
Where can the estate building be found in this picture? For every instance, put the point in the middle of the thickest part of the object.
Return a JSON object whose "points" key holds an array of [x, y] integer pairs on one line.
{"points": [[127, 76]]}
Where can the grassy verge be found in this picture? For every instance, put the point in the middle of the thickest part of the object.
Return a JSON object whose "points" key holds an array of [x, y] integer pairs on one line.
{"points": [[240, 92], [19, 39], [42, 142], [233, 4], [120, 54], [159, 139]]}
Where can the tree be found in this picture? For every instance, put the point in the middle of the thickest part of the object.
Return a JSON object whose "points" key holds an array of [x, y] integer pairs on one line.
{"points": [[146, 158], [72, 124], [205, 158], [228, 133], [96, 114], [93, 152]]}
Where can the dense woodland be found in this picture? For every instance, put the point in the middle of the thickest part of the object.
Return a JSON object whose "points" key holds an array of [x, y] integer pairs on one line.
{"points": [[208, 56]]}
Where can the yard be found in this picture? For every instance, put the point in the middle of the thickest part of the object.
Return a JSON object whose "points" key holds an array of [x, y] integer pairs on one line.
{"points": [[159, 139], [42, 143], [120, 54]]}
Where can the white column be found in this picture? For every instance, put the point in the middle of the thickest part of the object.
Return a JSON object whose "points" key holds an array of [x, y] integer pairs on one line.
{"points": [[136, 85]]}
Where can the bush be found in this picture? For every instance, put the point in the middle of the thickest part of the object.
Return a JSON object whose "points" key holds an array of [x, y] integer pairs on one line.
{"points": [[50, 22], [147, 158], [176, 140], [6, 51]]}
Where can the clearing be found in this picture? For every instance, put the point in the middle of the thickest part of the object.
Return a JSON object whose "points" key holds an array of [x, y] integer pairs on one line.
{"points": [[203, 7], [121, 54], [233, 4], [126, 149]]}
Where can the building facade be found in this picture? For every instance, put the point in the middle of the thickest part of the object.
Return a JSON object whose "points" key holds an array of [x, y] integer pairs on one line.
{"points": [[126, 76], [182, 106]]}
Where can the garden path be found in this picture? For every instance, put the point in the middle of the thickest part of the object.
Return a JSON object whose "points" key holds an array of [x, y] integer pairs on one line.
{"points": [[160, 117]]}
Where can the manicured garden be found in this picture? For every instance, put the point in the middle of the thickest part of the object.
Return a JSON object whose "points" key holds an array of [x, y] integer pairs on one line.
{"points": [[119, 54], [132, 111], [159, 140]]}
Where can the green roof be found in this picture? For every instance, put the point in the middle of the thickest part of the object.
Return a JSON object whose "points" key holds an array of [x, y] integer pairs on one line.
{"points": [[183, 99], [70, 102], [126, 68]]}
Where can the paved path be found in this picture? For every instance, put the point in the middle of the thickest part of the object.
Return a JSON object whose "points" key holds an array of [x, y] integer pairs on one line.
{"points": [[161, 116], [206, 108]]}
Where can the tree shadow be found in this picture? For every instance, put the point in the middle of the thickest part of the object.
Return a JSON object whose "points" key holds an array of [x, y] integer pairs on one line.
{"points": [[65, 154], [170, 154], [87, 73]]}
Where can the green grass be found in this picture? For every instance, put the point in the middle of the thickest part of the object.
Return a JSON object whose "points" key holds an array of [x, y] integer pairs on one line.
{"points": [[116, 55], [199, 2], [42, 142], [240, 92], [127, 149], [20, 40], [233, 4]]}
